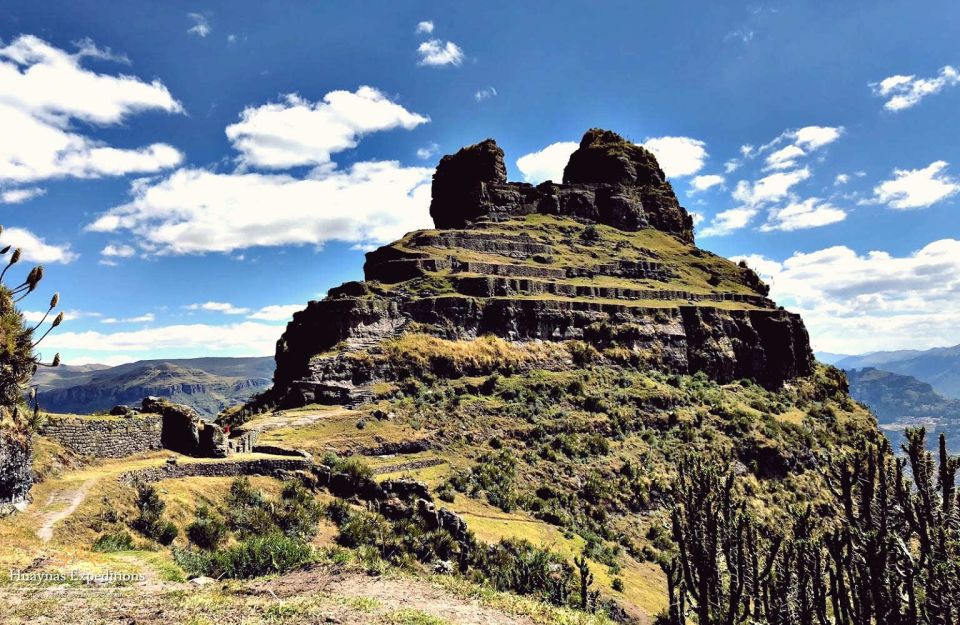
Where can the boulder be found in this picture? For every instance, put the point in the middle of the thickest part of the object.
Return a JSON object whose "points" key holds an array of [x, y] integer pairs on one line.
{"points": [[459, 184]]}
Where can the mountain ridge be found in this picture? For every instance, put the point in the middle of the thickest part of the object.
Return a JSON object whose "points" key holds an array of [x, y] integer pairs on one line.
{"points": [[209, 385]]}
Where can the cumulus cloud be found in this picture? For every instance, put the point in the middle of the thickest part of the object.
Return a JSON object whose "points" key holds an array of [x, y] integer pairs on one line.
{"points": [[841, 179], [220, 307], [752, 197], [702, 183], [548, 163], [195, 210], [276, 312], [295, 131], [425, 27], [201, 25], [45, 90], [678, 156], [428, 151], [34, 248], [855, 302], [245, 338], [785, 158], [774, 191], [769, 188], [118, 251], [18, 196], [484, 94], [903, 92], [437, 53], [916, 188], [799, 215]]}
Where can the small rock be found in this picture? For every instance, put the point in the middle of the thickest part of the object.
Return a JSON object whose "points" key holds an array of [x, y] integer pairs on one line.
{"points": [[443, 567], [202, 581]]}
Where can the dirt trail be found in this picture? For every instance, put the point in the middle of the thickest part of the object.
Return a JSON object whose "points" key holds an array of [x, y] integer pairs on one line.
{"points": [[73, 498]]}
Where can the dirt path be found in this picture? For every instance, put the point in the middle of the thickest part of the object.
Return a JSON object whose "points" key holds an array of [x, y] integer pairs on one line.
{"points": [[73, 498], [390, 595]]}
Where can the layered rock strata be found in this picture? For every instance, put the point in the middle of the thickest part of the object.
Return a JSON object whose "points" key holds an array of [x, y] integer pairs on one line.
{"points": [[607, 257]]}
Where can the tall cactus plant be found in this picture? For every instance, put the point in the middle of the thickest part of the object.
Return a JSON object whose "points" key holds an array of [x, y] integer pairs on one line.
{"points": [[887, 553]]}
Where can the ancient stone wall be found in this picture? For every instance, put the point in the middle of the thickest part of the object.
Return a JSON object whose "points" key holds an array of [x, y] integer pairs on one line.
{"points": [[272, 467], [106, 437]]}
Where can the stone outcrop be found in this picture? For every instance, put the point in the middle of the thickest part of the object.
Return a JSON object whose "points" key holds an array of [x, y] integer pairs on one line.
{"points": [[530, 263], [16, 473], [608, 180]]}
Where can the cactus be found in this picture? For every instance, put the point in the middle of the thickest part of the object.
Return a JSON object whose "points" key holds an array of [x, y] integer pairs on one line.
{"points": [[887, 552]]}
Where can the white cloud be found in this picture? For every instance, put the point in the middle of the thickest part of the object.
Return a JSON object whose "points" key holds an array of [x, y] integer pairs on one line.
{"points": [[815, 137], [35, 316], [841, 179], [799, 215], [731, 166], [702, 183], [146, 318], [17, 196], [916, 188], [548, 163], [903, 92], [752, 196], [220, 307], [854, 303], [425, 27], [44, 89], [784, 158], [196, 211], [484, 94], [427, 151], [769, 188], [295, 131], [729, 221], [34, 248], [201, 25], [118, 251], [276, 312], [247, 337], [436, 53], [697, 218], [678, 156]]}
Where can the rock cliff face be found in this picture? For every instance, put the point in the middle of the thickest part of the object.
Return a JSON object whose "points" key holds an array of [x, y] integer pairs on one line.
{"points": [[608, 180], [606, 258], [16, 474]]}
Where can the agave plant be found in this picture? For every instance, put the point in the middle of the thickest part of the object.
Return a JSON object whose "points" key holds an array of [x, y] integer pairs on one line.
{"points": [[19, 358]]}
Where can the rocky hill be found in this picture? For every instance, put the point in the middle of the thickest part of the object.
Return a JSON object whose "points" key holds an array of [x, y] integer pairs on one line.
{"points": [[506, 402], [208, 385], [900, 401], [606, 258], [939, 367]]}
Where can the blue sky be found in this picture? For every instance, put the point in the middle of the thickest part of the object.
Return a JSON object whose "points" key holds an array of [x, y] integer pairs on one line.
{"points": [[190, 173]]}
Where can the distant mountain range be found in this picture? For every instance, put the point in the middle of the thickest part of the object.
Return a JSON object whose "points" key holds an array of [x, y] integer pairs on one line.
{"points": [[900, 401], [207, 384], [939, 367]]}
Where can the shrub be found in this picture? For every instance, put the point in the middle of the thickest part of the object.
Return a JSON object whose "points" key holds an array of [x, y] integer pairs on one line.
{"points": [[208, 531], [617, 584], [150, 522], [298, 513], [120, 540], [258, 556]]}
